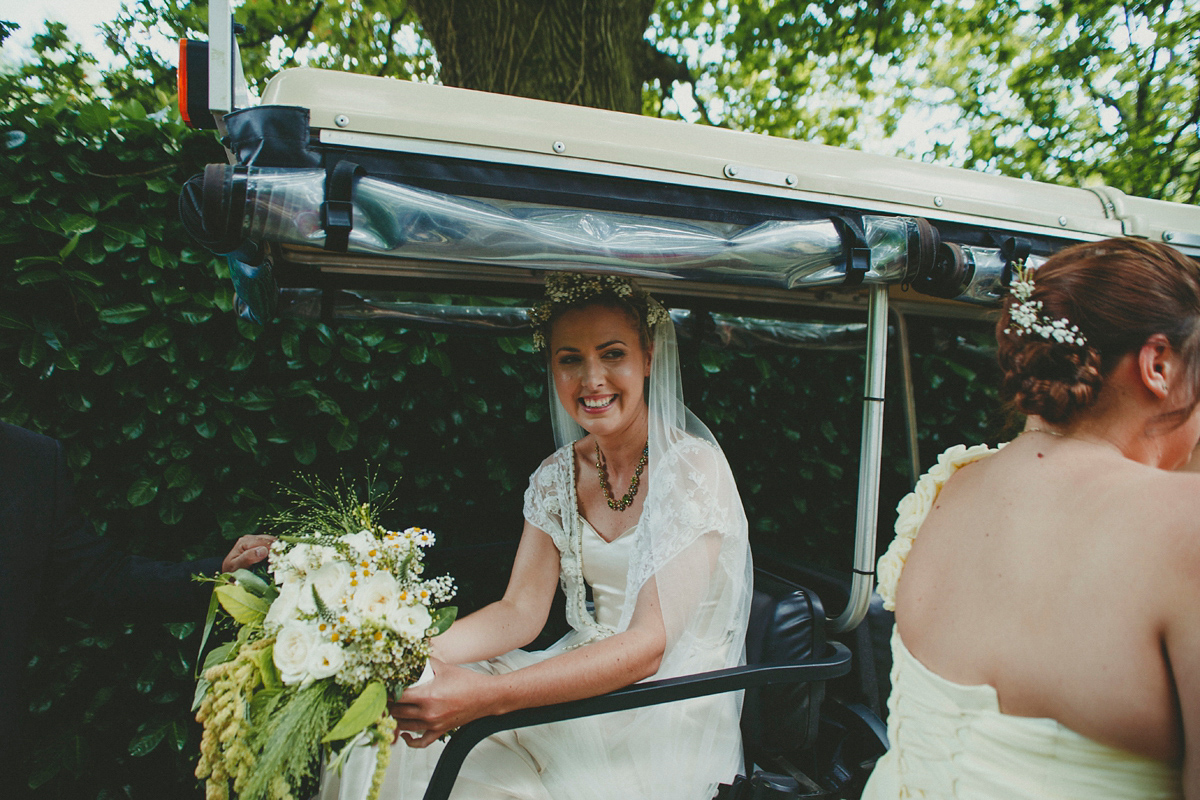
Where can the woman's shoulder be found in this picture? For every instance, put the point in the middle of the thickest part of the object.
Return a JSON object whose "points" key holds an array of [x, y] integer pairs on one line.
{"points": [[553, 466], [915, 506], [1169, 502]]}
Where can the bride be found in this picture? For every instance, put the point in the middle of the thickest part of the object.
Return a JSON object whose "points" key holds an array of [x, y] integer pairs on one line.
{"points": [[1046, 641], [637, 516]]}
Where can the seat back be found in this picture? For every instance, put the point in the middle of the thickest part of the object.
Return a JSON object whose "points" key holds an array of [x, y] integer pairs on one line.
{"points": [[869, 681], [787, 625]]}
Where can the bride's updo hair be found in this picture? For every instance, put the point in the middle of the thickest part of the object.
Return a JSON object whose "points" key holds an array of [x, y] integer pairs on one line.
{"points": [[1118, 293]]}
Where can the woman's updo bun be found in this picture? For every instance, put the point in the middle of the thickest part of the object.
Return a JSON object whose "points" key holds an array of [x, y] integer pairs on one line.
{"points": [[1118, 293], [1050, 379]]}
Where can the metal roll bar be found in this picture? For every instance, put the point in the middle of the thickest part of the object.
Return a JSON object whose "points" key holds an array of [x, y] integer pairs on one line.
{"points": [[870, 457]]}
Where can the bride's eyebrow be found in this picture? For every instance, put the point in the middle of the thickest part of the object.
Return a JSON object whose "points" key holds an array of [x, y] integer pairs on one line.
{"points": [[609, 344]]}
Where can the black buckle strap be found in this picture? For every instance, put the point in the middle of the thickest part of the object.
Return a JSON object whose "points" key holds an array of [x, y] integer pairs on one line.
{"points": [[1014, 250], [854, 247], [337, 212]]}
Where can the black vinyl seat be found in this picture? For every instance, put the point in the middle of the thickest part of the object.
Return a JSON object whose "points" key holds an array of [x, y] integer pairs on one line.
{"points": [[787, 626], [789, 661]]}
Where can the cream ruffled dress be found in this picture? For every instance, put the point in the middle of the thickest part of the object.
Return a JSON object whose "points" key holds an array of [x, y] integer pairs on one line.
{"points": [[952, 741]]}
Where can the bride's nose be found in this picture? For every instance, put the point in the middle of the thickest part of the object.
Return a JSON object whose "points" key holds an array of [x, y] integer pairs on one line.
{"points": [[593, 373]]}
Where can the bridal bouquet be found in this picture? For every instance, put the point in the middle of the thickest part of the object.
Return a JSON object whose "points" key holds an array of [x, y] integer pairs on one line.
{"points": [[345, 623]]}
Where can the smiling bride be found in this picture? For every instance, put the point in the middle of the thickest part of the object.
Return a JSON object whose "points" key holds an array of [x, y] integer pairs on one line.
{"points": [[636, 506]]}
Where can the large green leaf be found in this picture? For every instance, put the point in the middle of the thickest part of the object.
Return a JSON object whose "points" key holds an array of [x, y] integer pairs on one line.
{"points": [[148, 737], [366, 709], [142, 491], [124, 313], [240, 604], [442, 619]]}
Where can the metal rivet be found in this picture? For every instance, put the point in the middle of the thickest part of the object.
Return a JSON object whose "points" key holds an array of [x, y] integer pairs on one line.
{"points": [[1062, 221], [790, 180], [1168, 236], [341, 120], [731, 170], [559, 147], [937, 201]]}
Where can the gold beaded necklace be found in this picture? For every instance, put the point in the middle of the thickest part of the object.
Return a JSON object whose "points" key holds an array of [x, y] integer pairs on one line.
{"points": [[602, 472]]}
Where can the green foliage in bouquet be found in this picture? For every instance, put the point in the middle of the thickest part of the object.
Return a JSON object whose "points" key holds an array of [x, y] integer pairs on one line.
{"points": [[346, 622]]}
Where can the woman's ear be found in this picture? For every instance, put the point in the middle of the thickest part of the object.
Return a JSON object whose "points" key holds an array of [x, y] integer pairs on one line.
{"points": [[649, 360], [1157, 364]]}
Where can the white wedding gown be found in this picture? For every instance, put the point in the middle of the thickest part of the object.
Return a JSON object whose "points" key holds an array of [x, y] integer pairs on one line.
{"points": [[645, 753]]}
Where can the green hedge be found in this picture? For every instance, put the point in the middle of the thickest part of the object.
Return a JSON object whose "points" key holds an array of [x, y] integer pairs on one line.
{"points": [[179, 419]]}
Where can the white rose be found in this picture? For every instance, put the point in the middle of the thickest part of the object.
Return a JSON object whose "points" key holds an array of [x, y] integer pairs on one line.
{"points": [[293, 646], [411, 622], [283, 609], [375, 596], [325, 660], [331, 582]]}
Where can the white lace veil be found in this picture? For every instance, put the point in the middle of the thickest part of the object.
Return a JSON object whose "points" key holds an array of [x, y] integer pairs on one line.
{"points": [[692, 549]]}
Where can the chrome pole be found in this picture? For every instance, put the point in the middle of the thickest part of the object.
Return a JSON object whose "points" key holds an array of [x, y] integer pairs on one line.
{"points": [[910, 398], [870, 457]]}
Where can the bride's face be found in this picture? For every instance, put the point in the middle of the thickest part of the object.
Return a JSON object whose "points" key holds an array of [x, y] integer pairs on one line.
{"points": [[600, 368]]}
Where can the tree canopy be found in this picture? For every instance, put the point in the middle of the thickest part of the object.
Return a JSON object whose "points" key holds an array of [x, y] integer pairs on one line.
{"points": [[1065, 92]]}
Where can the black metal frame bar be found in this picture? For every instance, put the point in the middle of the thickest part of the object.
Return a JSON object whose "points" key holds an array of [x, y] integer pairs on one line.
{"points": [[834, 665]]}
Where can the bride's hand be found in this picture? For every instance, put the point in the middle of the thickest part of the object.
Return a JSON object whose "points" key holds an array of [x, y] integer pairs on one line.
{"points": [[454, 697]]}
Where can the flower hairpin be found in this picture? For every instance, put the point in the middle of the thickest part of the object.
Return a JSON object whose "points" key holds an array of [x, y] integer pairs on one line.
{"points": [[566, 289], [1026, 317]]}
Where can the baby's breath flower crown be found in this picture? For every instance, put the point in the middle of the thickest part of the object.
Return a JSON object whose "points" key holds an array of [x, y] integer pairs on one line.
{"points": [[565, 290], [1026, 317]]}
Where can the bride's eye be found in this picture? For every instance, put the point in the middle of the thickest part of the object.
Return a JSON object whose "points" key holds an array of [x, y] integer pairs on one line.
{"points": [[613, 354], [568, 359]]}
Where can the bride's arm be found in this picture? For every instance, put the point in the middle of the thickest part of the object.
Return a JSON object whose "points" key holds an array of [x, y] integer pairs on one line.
{"points": [[516, 619], [457, 695]]}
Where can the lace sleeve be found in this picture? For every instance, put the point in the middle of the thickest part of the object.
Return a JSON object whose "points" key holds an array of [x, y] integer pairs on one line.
{"points": [[545, 496]]}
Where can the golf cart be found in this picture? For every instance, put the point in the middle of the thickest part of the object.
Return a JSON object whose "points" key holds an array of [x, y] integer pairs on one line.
{"points": [[342, 188]]}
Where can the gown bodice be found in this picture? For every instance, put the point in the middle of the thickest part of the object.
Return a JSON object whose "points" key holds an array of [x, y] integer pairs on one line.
{"points": [[950, 740], [606, 571]]}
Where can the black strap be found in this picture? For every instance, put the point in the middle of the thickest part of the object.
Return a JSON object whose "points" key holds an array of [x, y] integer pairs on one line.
{"points": [[337, 212], [1014, 250], [854, 247]]}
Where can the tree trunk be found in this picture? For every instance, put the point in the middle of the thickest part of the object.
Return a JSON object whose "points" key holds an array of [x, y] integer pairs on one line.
{"points": [[586, 52]]}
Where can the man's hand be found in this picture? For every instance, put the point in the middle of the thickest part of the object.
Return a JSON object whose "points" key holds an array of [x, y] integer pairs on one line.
{"points": [[247, 551]]}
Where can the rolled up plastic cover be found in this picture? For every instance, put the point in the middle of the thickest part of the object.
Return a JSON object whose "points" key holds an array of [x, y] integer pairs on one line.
{"points": [[393, 220], [721, 330]]}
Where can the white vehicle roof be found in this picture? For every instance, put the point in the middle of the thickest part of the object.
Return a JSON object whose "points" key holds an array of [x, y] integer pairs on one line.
{"points": [[386, 114]]}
